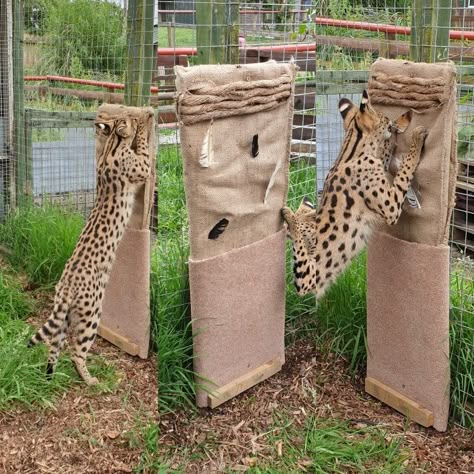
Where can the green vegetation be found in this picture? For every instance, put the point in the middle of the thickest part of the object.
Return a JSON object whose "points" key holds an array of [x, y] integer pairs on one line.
{"points": [[461, 346], [83, 36], [146, 435], [337, 322], [23, 380], [329, 446], [41, 240], [170, 299]]}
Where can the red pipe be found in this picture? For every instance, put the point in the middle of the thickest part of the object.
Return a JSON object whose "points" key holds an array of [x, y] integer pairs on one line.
{"points": [[288, 48], [177, 51], [362, 25], [87, 82], [382, 28], [245, 12]]}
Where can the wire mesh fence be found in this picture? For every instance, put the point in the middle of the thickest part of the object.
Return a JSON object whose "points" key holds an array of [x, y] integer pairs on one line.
{"points": [[75, 57]]}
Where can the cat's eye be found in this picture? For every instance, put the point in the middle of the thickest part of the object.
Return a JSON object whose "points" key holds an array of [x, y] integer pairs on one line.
{"points": [[102, 128]]}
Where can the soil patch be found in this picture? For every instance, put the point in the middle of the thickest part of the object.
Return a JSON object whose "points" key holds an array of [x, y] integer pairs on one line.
{"points": [[234, 435]]}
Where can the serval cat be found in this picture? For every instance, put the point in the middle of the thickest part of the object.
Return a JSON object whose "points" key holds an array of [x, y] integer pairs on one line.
{"points": [[357, 195], [122, 167]]}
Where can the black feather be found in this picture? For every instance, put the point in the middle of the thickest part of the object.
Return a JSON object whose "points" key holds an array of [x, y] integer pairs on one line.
{"points": [[255, 146], [218, 229]]}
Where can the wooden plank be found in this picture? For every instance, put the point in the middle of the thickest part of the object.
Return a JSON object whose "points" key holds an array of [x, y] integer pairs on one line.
{"points": [[243, 383], [48, 119], [466, 179], [36, 123], [465, 186], [464, 244], [466, 162], [45, 114], [373, 45], [101, 96], [117, 340], [303, 147], [463, 225], [399, 402]]}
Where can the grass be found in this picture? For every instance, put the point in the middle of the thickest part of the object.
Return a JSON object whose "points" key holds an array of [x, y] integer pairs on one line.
{"points": [[341, 316], [316, 445], [145, 434], [13, 301], [170, 306], [329, 446], [41, 240], [337, 322], [462, 344], [47, 135], [23, 380], [170, 298]]}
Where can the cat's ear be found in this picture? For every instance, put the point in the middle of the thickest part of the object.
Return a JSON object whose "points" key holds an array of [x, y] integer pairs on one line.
{"points": [[402, 122], [364, 102], [347, 110], [305, 206]]}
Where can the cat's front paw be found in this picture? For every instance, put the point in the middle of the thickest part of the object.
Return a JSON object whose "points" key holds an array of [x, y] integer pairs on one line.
{"points": [[288, 218], [419, 134], [287, 214]]}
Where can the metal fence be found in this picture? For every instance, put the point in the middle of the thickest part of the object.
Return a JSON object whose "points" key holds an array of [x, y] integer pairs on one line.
{"points": [[332, 42]]}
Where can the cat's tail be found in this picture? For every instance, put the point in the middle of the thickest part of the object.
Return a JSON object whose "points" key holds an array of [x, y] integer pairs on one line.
{"points": [[56, 323]]}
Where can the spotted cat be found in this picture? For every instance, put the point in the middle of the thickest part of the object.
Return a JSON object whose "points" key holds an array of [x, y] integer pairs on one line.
{"points": [[123, 165], [357, 195]]}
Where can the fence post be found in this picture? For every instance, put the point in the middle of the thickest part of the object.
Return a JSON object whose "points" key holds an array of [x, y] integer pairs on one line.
{"points": [[22, 159], [217, 32], [140, 16], [431, 21]]}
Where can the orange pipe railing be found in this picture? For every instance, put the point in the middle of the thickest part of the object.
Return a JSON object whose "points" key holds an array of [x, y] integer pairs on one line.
{"points": [[382, 28]]}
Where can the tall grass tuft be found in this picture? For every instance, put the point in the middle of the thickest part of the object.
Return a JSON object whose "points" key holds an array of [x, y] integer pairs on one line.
{"points": [[170, 291], [341, 315], [462, 347], [13, 301], [174, 337], [41, 240], [23, 370]]}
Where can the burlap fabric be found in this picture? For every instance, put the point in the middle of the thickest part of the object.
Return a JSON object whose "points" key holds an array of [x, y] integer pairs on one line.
{"points": [[127, 295], [408, 264], [235, 124]]}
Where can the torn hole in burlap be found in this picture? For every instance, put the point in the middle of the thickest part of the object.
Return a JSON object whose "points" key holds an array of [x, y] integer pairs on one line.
{"points": [[126, 318], [408, 264], [235, 124]]}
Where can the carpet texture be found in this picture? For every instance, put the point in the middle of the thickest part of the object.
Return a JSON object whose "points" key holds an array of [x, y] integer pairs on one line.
{"points": [[235, 124], [408, 264]]}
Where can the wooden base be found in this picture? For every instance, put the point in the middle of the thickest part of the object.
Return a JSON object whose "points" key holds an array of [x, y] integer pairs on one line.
{"points": [[243, 383], [399, 402], [117, 340]]}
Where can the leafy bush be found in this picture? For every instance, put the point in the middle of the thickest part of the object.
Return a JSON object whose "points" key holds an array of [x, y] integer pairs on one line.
{"points": [[84, 36]]}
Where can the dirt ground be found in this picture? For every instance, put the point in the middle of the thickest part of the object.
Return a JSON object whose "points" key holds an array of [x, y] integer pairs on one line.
{"points": [[85, 433], [234, 435]]}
